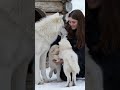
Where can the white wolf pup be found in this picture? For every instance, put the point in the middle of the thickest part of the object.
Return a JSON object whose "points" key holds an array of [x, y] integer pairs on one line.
{"points": [[70, 60], [54, 55]]}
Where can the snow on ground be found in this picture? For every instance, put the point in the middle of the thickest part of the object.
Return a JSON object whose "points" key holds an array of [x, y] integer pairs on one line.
{"points": [[54, 85]]}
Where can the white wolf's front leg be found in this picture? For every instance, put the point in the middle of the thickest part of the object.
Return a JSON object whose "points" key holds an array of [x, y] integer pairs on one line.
{"points": [[43, 66], [58, 73], [51, 72], [38, 78]]}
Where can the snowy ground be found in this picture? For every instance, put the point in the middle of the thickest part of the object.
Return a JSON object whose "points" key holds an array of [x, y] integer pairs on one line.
{"points": [[54, 85]]}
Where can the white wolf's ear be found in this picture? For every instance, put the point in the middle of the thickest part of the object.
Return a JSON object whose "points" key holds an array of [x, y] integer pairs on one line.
{"points": [[66, 16], [56, 14], [59, 19]]}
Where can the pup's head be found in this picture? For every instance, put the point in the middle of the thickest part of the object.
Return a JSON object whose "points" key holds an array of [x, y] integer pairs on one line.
{"points": [[54, 50], [64, 44]]}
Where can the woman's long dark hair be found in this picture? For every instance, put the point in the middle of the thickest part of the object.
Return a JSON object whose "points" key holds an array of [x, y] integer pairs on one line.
{"points": [[80, 33]]}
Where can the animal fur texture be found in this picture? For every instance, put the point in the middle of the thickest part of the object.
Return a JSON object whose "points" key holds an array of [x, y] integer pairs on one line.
{"points": [[54, 55], [70, 60], [46, 32]]}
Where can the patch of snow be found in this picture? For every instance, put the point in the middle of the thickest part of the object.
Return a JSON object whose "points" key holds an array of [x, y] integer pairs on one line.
{"points": [[54, 85]]}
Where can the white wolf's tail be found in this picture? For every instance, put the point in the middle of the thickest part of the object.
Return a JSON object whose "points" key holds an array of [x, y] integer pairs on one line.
{"points": [[73, 64]]}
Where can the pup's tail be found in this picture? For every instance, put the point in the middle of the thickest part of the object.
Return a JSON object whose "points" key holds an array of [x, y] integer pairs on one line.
{"points": [[73, 62]]}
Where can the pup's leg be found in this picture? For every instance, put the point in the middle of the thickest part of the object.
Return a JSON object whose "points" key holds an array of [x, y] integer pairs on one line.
{"points": [[68, 79], [43, 66], [73, 79], [38, 78], [58, 73], [55, 71], [51, 72]]}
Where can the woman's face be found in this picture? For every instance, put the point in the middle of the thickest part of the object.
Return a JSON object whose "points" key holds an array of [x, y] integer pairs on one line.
{"points": [[92, 4], [73, 23]]}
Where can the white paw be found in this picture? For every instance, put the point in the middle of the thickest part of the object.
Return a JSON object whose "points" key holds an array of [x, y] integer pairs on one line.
{"points": [[46, 80], [39, 82], [69, 84], [73, 83]]}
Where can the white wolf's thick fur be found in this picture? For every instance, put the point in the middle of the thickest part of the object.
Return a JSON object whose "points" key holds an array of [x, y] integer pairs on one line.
{"points": [[70, 60], [54, 54], [46, 32]]}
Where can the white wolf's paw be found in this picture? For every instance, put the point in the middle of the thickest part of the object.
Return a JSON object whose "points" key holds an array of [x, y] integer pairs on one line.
{"points": [[73, 83], [46, 80], [69, 84]]}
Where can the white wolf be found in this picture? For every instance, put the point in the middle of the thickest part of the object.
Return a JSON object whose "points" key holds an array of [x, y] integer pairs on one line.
{"points": [[46, 32], [70, 60], [54, 55]]}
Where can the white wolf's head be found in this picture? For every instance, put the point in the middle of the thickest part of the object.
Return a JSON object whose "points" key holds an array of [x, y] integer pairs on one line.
{"points": [[50, 27], [54, 21], [64, 44]]}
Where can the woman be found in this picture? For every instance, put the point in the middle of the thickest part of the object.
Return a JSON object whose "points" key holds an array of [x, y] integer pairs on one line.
{"points": [[75, 28]]}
